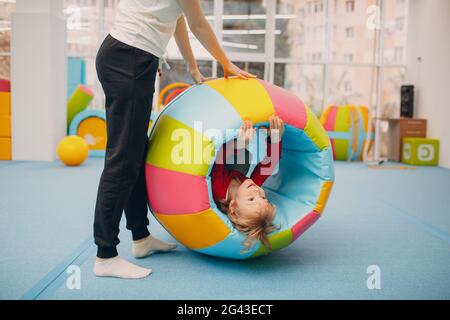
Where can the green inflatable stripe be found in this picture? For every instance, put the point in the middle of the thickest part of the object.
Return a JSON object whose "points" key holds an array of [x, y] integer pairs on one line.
{"points": [[79, 100], [278, 241]]}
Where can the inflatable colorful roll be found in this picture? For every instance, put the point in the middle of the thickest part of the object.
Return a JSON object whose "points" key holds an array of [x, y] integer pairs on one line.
{"points": [[179, 192], [347, 128]]}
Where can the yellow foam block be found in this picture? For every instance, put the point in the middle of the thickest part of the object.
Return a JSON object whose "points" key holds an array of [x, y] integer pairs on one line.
{"points": [[323, 197], [5, 103], [195, 231], [5, 126], [315, 130], [176, 146], [248, 97], [5, 149]]}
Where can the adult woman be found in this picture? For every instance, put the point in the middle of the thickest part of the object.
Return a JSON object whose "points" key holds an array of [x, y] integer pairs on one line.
{"points": [[127, 62]]}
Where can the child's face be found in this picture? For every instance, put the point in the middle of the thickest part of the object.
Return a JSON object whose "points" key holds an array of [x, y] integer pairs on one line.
{"points": [[250, 198]]}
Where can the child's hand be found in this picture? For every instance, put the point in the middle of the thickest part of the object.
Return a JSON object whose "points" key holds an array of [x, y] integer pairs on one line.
{"points": [[246, 133], [276, 129]]}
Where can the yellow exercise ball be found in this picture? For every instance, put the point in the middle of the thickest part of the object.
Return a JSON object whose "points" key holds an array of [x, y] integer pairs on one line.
{"points": [[73, 150]]}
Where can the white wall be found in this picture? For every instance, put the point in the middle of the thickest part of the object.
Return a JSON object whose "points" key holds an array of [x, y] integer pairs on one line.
{"points": [[39, 79], [429, 40]]}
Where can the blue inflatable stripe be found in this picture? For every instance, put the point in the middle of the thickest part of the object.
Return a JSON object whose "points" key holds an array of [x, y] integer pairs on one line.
{"points": [[205, 107]]}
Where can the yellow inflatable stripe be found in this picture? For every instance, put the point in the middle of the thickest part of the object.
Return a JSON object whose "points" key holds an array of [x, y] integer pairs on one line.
{"points": [[365, 115], [324, 116], [315, 130], [197, 230], [248, 97], [323, 197], [175, 146]]}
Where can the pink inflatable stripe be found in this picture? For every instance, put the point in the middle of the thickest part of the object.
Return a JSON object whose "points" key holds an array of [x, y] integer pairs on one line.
{"points": [[307, 221], [290, 108], [171, 192], [331, 119], [86, 90]]}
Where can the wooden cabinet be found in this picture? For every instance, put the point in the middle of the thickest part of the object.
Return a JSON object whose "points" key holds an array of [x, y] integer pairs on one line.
{"points": [[402, 128]]}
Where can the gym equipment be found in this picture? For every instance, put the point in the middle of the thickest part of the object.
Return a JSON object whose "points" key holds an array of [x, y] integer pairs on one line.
{"points": [[91, 125], [347, 128], [180, 194], [72, 150], [420, 151]]}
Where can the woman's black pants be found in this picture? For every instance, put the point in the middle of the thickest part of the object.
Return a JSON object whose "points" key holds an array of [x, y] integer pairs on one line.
{"points": [[127, 75]]}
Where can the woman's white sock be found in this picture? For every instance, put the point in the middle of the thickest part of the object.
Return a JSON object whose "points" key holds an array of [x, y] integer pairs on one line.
{"points": [[119, 268], [145, 247]]}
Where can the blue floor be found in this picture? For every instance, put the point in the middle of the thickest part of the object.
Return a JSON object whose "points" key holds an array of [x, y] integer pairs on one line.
{"points": [[398, 220]]}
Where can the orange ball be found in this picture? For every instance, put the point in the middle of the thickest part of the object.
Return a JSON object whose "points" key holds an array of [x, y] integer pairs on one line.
{"points": [[73, 150]]}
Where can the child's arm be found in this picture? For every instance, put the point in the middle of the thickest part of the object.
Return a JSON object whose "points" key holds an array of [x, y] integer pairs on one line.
{"points": [[265, 168], [237, 146]]}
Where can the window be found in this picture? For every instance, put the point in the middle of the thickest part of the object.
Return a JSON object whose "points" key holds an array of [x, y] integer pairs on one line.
{"points": [[309, 7], [350, 32], [350, 6], [399, 24], [347, 86], [348, 58], [246, 34], [318, 6], [321, 50], [304, 80], [6, 9]]}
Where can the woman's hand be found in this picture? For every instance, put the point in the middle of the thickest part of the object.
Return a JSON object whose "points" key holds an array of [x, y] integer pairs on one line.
{"points": [[246, 133], [231, 68], [276, 129], [197, 75]]}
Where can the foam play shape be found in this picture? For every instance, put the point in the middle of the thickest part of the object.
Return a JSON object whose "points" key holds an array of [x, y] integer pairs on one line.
{"points": [[5, 85], [420, 151], [79, 101], [183, 145], [91, 126], [5, 103], [168, 90], [347, 128], [72, 150], [5, 148], [5, 126]]}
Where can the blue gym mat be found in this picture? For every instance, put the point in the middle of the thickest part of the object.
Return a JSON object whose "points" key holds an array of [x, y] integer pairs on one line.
{"points": [[398, 220]]}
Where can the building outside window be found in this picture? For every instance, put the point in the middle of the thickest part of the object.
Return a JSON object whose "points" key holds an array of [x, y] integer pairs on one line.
{"points": [[6, 9]]}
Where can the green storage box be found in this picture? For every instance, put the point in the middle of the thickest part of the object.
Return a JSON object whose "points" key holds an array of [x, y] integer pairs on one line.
{"points": [[420, 151]]}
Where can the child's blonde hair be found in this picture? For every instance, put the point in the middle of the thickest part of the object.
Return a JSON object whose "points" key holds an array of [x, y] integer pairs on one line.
{"points": [[256, 227]]}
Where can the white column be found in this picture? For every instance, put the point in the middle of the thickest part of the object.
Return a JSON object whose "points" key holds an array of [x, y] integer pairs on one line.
{"points": [[428, 68], [38, 79]]}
